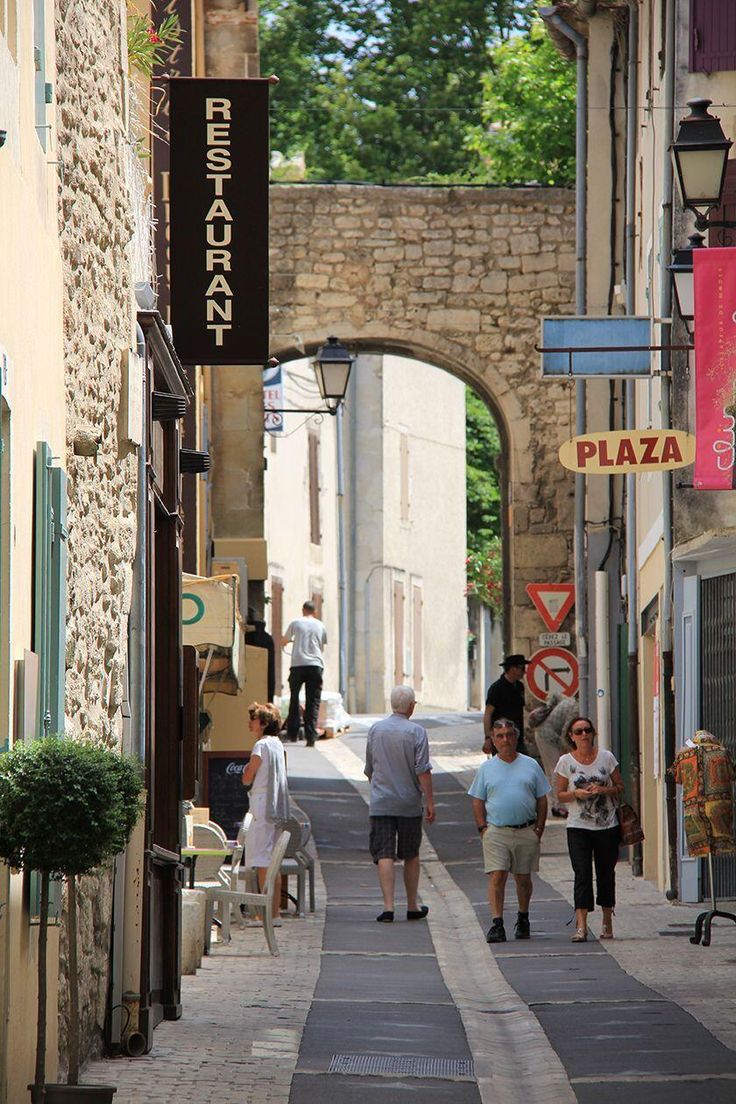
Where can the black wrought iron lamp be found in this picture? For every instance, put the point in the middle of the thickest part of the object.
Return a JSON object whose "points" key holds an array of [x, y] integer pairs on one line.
{"points": [[682, 276], [332, 366], [700, 154]]}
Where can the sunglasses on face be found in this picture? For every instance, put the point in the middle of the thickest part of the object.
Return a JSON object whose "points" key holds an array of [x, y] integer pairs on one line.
{"points": [[581, 731]]}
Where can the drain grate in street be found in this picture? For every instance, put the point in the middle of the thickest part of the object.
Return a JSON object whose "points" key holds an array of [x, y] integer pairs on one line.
{"points": [[392, 1065]]}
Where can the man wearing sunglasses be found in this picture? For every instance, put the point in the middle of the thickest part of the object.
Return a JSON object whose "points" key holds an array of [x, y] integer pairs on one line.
{"points": [[509, 795]]}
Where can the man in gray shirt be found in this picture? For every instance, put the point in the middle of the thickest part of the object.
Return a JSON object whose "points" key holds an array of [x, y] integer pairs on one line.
{"points": [[309, 636], [397, 764]]}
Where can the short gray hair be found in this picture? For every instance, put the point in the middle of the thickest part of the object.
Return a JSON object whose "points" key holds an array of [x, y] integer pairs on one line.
{"points": [[402, 699]]}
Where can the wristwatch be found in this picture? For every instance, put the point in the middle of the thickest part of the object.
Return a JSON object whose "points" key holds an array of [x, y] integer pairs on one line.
{"points": [[482, 827]]}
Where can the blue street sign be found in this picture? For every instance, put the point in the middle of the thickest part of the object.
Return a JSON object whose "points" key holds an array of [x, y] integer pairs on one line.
{"points": [[596, 347]]}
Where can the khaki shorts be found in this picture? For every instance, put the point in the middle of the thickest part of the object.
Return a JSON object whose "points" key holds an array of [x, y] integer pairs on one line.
{"points": [[513, 849]]}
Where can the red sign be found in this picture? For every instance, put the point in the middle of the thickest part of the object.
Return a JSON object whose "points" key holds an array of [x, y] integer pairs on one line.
{"points": [[714, 273], [552, 601], [552, 669]]}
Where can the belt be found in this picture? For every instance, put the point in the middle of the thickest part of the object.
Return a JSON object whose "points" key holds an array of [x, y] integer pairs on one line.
{"points": [[526, 824]]}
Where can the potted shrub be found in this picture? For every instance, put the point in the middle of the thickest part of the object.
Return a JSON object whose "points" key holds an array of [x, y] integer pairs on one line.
{"points": [[66, 807]]}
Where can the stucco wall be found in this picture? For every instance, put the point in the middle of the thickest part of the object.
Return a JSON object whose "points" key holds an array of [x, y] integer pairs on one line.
{"points": [[33, 394], [457, 278]]}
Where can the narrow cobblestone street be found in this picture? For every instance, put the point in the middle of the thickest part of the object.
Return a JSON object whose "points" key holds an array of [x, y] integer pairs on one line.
{"points": [[649, 1015]]}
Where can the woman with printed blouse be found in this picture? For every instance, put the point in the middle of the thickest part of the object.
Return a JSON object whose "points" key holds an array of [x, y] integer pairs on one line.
{"points": [[588, 782]]}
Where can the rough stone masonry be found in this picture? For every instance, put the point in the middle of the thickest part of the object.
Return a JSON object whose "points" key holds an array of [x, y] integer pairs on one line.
{"points": [[458, 277]]}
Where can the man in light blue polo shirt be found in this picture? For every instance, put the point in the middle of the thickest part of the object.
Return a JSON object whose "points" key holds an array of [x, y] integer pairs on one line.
{"points": [[509, 795]]}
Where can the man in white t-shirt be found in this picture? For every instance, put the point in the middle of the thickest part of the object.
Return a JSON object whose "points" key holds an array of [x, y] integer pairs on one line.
{"points": [[307, 665]]}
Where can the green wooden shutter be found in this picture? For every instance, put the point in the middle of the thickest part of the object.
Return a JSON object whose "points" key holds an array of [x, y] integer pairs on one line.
{"points": [[43, 539], [57, 602]]}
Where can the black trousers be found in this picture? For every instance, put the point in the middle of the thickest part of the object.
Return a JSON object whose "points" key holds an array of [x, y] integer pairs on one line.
{"points": [[311, 679], [590, 848]]}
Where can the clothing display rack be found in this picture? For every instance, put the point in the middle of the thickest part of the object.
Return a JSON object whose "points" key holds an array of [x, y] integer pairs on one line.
{"points": [[705, 919]]}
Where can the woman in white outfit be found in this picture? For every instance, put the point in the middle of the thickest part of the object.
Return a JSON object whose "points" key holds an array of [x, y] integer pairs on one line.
{"points": [[269, 795]]}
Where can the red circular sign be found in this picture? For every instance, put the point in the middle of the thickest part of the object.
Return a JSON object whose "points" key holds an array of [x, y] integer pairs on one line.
{"points": [[552, 669]]}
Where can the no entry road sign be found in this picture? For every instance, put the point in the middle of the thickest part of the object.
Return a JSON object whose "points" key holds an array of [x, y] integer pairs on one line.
{"points": [[552, 669]]}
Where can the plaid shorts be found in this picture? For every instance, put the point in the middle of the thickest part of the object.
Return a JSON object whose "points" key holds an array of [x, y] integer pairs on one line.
{"points": [[395, 837]]}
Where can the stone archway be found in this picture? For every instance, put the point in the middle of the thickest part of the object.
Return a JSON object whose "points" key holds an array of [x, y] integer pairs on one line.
{"points": [[459, 278]]}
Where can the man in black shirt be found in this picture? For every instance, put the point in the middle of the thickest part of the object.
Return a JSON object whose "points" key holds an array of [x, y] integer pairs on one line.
{"points": [[506, 699]]}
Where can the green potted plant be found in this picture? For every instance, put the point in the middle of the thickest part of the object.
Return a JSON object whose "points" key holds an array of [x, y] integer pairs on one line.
{"points": [[66, 807]]}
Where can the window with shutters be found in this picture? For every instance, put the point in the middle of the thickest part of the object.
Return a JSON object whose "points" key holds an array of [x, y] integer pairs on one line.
{"points": [[9, 24], [49, 590], [398, 632], [317, 601], [315, 530], [416, 619], [39, 66], [712, 36], [49, 622]]}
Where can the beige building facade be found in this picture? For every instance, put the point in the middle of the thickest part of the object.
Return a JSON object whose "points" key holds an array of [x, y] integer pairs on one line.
{"points": [[645, 60], [404, 468]]}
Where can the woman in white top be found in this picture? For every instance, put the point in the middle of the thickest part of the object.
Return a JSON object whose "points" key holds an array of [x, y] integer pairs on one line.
{"points": [[269, 795], [588, 782]]}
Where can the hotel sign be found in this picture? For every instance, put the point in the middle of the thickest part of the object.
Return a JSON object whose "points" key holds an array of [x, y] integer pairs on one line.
{"points": [[219, 220]]}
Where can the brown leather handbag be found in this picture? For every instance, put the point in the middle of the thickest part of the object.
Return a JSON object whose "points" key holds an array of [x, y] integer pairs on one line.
{"points": [[631, 829]]}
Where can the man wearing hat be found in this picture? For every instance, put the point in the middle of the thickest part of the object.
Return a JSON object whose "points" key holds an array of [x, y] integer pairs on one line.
{"points": [[505, 698]]}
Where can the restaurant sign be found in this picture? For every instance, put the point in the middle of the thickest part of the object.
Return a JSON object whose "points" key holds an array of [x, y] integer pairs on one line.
{"points": [[625, 451], [219, 220]]}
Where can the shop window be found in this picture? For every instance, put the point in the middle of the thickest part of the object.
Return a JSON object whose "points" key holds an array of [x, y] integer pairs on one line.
{"points": [[712, 36]]}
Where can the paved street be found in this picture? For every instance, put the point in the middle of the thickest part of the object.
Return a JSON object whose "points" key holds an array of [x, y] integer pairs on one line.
{"points": [[356, 1012]]}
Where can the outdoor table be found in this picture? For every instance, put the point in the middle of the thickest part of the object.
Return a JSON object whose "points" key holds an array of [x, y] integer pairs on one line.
{"points": [[193, 853]]}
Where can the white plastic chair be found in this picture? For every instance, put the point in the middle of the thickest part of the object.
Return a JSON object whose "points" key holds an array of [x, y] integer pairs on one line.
{"points": [[261, 901]]}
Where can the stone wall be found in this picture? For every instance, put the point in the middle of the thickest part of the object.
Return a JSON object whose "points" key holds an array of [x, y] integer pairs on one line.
{"points": [[97, 230], [458, 277]]}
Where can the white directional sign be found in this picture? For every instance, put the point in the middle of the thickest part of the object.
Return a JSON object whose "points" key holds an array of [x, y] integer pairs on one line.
{"points": [[554, 640]]}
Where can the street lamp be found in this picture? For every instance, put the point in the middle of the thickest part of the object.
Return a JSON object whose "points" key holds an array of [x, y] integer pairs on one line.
{"points": [[700, 154], [682, 275], [332, 368]]}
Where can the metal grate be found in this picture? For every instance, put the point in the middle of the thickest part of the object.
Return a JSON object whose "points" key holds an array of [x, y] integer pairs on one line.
{"points": [[718, 694], [391, 1065]]}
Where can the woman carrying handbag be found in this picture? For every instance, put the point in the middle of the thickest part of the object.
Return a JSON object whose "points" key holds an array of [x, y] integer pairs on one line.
{"points": [[588, 783]]}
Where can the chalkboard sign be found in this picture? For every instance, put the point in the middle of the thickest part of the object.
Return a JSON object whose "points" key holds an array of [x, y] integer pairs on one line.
{"points": [[223, 787]]}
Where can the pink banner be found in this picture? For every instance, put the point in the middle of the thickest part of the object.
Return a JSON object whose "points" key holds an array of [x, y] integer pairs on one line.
{"points": [[714, 273]]}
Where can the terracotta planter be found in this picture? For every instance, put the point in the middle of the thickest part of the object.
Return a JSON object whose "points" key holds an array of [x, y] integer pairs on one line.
{"points": [[79, 1094]]}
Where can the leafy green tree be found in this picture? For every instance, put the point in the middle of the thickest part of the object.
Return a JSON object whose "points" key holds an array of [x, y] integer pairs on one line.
{"points": [[381, 89], [528, 131], [484, 564], [482, 448]]}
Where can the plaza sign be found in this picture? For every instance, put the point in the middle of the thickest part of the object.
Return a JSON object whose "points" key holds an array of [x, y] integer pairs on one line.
{"points": [[626, 451], [219, 220]]}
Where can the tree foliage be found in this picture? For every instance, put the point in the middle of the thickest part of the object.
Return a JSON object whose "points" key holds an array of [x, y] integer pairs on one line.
{"points": [[482, 447], [484, 566], [528, 113], [66, 806], [381, 90]]}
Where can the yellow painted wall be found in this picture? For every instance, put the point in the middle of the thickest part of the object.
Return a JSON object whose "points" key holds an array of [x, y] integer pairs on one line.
{"points": [[31, 337]]}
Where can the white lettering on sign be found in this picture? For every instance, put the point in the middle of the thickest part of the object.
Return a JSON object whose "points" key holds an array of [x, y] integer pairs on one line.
{"points": [[554, 640], [235, 768], [218, 220]]}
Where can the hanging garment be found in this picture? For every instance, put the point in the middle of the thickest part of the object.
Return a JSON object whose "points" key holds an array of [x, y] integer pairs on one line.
{"points": [[705, 771]]}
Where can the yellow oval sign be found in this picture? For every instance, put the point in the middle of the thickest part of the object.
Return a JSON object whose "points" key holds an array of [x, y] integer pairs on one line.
{"points": [[623, 451]]}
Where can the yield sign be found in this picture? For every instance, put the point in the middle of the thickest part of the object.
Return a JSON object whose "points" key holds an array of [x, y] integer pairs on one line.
{"points": [[553, 601]]}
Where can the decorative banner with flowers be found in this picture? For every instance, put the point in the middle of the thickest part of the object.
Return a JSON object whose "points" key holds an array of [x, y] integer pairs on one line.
{"points": [[714, 272]]}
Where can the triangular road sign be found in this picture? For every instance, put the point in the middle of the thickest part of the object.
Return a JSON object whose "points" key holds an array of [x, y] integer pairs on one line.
{"points": [[552, 601]]}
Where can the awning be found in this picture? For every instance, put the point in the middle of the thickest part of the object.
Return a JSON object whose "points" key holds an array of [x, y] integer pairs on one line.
{"points": [[211, 623]]}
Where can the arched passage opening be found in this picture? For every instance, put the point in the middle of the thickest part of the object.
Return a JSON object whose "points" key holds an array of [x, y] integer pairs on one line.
{"points": [[406, 536]]}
